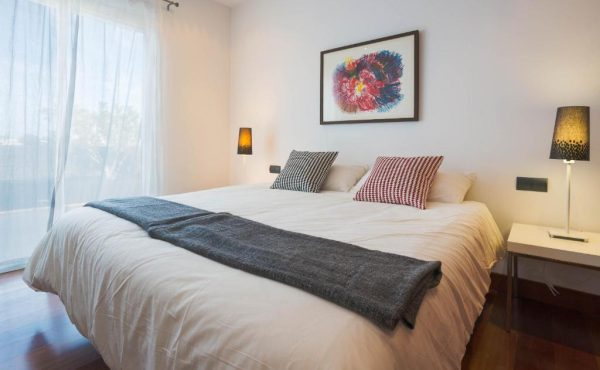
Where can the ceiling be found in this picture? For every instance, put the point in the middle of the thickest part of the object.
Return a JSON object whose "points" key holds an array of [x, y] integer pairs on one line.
{"points": [[229, 3]]}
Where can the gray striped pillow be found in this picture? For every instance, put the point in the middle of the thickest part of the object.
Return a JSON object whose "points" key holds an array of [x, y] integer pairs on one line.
{"points": [[305, 171]]}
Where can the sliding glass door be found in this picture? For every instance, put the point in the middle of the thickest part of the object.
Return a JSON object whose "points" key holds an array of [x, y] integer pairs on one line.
{"points": [[78, 112]]}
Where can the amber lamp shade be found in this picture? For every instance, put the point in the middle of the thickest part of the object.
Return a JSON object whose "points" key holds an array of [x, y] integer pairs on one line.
{"points": [[571, 140], [245, 141]]}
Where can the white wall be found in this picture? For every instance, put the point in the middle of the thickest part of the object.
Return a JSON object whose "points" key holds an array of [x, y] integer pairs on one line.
{"points": [[195, 48], [493, 73]]}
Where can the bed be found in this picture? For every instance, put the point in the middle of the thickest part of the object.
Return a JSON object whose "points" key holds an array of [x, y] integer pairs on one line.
{"points": [[145, 304]]}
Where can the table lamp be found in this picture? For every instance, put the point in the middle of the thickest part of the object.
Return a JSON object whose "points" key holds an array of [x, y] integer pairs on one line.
{"points": [[570, 142]]}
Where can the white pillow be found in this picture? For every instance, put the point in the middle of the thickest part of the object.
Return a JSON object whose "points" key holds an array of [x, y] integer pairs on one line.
{"points": [[450, 187], [343, 178], [361, 182]]}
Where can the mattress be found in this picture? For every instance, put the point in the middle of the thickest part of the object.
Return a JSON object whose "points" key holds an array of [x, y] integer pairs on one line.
{"points": [[145, 304]]}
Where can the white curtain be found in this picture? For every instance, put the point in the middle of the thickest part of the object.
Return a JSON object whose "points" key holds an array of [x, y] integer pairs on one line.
{"points": [[79, 111]]}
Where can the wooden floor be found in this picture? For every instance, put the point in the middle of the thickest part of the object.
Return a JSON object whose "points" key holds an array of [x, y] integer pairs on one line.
{"points": [[35, 333]]}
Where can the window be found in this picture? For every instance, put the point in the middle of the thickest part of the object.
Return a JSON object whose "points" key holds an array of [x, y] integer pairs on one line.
{"points": [[76, 113]]}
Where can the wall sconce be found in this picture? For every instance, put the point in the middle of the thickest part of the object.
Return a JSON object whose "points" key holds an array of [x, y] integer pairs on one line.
{"points": [[245, 141]]}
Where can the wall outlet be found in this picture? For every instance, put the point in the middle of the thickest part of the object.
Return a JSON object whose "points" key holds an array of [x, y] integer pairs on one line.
{"points": [[274, 169]]}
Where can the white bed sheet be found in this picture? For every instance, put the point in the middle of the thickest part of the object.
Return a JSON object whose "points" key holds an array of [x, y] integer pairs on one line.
{"points": [[146, 304]]}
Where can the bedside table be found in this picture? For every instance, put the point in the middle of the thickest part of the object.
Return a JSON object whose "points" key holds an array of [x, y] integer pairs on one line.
{"points": [[533, 241]]}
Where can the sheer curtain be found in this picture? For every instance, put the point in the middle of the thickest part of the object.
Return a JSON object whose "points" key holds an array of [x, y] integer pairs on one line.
{"points": [[79, 111]]}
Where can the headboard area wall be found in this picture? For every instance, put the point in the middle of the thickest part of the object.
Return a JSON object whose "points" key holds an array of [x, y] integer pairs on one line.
{"points": [[492, 75]]}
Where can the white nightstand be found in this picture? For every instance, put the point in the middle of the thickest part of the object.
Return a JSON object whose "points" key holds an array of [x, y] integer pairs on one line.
{"points": [[533, 241]]}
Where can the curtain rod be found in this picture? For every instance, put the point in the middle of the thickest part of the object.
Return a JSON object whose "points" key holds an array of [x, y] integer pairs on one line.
{"points": [[170, 3]]}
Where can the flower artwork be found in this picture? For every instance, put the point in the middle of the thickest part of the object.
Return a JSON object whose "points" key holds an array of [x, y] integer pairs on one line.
{"points": [[369, 83], [375, 81]]}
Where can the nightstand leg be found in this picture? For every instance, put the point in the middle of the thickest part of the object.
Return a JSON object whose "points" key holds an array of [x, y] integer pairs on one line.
{"points": [[516, 276], [509, 285]]}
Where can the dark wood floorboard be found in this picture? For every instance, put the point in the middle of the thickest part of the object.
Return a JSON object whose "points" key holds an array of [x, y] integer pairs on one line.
{"points": [[35, 333], [544, 337]]}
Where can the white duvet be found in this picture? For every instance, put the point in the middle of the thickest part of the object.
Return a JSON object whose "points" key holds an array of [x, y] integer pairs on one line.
{"points": [[146, 304]]}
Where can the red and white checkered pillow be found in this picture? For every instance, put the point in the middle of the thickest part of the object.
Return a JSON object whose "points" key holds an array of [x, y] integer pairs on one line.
{"points": [[400, 180]]}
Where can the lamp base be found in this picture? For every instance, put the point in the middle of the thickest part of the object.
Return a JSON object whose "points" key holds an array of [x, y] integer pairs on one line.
{"points": [[572, 236]]}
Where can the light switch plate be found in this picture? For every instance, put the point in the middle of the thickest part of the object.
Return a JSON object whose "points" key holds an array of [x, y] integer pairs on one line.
{"points": [[539, 184]]}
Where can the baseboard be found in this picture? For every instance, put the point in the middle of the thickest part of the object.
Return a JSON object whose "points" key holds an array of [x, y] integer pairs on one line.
{"points": [[13, 265], [586, 303]]}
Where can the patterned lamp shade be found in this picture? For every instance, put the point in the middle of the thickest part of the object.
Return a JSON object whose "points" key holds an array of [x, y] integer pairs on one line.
{"points": [[245, 141], [571, 140]]}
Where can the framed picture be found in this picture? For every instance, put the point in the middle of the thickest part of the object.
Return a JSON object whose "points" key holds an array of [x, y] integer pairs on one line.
{"points": [[372, 81]]}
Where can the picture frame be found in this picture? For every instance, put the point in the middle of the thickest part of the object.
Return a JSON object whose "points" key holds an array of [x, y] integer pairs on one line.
{"points": [[372, 81]]}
